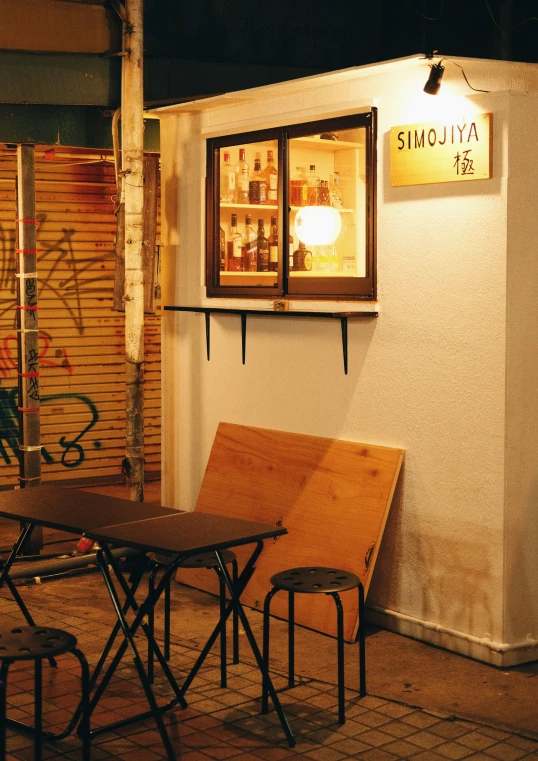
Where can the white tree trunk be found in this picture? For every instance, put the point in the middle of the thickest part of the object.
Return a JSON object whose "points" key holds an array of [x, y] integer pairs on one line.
{"points": [[132, 132]]}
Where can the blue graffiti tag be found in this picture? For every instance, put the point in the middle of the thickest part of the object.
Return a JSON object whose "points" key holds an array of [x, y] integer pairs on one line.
{"points": [[9, 429]]}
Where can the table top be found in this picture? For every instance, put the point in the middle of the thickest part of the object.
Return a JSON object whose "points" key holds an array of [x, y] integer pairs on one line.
{"points": [[133, 524], [186, 533], [73, 510]]}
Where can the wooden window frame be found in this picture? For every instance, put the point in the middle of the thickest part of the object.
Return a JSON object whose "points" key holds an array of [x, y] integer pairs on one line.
{"points": [[312, 288]]}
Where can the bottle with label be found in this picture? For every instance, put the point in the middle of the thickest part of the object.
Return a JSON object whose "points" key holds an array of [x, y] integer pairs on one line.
{"points": [[298, 188], [262, 247], [250, 253], [235, 247], [334, 265], [257, 186], [324, 257], [291, 249], [227, 180], [271, 177], [302, 258], [273, 247], [323, 198], [312, 184], [335, 192], [222, 249], [242, 176]]}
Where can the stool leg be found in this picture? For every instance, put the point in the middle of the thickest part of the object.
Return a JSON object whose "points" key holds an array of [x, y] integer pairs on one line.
{"points": [[362, 645], [166, 649], [235, 618], [291, 639], [3, 708], [84, 727], [265, 655], [222, 606], [340, 655], [38, 707], [151, 624]]}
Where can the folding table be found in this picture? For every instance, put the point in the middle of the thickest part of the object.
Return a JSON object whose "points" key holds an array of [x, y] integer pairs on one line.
{"points": [[145, 527]]}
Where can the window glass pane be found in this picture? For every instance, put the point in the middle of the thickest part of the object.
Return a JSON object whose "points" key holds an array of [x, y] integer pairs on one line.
{"points": [[327, 192], [250, 252]]}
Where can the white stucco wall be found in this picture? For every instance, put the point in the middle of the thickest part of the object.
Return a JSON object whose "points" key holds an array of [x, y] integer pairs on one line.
{"points": [[444, 371]]}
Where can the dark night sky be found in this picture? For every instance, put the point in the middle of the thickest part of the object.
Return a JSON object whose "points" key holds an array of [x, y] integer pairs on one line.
{"points": [[326, 36]]}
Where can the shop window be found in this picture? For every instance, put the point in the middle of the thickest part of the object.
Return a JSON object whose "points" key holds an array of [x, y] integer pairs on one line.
{"points": [[291, 211]]}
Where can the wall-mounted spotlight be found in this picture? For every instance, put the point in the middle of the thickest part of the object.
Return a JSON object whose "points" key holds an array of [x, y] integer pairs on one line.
{"points": [[433, 84]]}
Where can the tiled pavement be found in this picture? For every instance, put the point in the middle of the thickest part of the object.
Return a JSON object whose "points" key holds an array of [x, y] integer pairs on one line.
{"points": [[227, 724]]}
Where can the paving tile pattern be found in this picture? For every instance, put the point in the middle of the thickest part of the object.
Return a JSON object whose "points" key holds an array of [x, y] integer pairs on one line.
{"points": [[227, 724]]}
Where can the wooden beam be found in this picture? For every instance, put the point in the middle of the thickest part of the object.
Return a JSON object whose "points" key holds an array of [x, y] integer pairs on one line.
{"points": [[149, 226]]}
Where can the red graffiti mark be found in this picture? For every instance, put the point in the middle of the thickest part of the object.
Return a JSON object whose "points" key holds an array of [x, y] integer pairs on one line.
{"points": [[8, 355], [65, 363]]}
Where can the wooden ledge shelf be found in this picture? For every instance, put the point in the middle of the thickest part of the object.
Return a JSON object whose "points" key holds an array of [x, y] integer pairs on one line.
{"points": [[243, 312]]}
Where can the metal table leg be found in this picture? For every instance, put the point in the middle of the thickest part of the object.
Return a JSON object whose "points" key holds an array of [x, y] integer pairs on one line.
{"points": [[106, 559], [234, 604]]}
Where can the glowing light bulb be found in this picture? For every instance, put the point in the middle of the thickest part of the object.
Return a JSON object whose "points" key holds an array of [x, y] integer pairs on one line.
{"points": [[318, 225]]}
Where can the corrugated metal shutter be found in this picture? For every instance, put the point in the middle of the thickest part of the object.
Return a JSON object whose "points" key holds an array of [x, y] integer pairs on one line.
{"points": [[81, 337]]}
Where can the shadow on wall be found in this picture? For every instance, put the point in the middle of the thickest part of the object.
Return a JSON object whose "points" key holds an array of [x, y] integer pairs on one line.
{"points": [[444, 577]]}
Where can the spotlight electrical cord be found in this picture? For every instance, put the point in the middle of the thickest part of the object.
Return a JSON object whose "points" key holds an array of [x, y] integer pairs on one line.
{"points": [[437, 69]]}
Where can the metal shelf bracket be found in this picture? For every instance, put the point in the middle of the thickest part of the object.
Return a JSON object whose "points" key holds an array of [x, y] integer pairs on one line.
{"points": [[207, 311]]}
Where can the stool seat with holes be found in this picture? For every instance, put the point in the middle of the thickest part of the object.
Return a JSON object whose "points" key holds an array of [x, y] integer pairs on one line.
{"points": [[316, 580], [26, 643], [203, 560]]}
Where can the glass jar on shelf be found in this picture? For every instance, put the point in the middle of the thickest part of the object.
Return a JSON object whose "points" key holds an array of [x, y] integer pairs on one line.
{"points": [[298, 193]]}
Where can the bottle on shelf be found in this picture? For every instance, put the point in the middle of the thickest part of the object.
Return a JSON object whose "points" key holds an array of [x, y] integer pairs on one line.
{"points": [[250, 253], [235, 247], [312, 185], [222, 249], [262, 248], [298, 193], [257, 186], [273, 246], [242, 176], [271, 177], [291, 249], [323, 261], [302, 258], [227, 180], [334, 264], [323, 198], [335, 192]]}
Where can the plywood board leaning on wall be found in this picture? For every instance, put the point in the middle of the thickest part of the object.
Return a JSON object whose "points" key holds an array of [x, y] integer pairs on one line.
{"points": [[333, 497]]}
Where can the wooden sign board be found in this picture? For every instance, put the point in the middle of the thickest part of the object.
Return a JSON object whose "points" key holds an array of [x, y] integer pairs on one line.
{"points": [[441, 152], [333, 497]]}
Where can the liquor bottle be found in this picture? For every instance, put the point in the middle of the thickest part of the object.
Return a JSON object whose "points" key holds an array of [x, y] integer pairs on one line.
{"points": [[302, 258], [257, 186], [291, 249], [235, 247], [323, 198], [262, 248], [227, 180], [242, 174], [323, 262], [312, 183], [250, 254], [298, 188], [334, 265], [335, 192], [222, 249], [273, 247], [271, 177]]}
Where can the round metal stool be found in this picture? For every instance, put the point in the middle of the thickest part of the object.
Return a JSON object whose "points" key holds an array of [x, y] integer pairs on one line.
{"points": [[316, 580], [27, 643], [204, 560]]}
